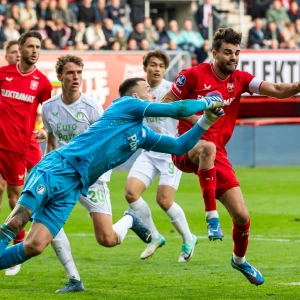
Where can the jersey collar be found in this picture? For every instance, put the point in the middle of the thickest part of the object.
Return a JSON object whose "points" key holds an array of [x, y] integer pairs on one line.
{"points": [[24, 74], [214, 73]]}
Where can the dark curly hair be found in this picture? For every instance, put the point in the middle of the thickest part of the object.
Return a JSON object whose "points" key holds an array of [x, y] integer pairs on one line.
{"points": [[226, 35]]}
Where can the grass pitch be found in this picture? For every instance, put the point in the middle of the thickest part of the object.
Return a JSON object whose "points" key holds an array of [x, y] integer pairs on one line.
{"points": [[272, 196]]}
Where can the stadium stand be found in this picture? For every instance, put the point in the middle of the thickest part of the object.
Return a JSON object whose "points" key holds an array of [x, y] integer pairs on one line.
{"points": [[121, 25]]}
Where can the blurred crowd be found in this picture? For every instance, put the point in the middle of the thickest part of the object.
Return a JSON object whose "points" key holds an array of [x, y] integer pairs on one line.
{"points": [[97, 25], [121, 25], [276, 24]]}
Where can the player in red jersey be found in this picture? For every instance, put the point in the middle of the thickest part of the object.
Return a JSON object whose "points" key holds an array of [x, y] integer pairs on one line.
{"points": [[23, 87], [208, 159], [12, 56]]}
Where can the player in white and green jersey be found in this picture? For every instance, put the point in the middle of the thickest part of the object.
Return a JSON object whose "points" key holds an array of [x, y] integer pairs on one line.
{"points": [[149, 164], [66, 116]]}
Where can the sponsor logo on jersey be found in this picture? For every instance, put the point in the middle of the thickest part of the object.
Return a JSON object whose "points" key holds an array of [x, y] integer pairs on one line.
{"points": [[66, 132], [181, 80], [34, 84], [21, 177], [133, 142], [207, 87], [55, 114], [230, 87], [155, 119], [79, 116], [9, 79], [17, 95], [41, 189], [228, 101]]}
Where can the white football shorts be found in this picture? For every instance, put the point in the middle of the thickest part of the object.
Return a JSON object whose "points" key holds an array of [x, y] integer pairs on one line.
{"points": [[148, 166], [98, 199]]}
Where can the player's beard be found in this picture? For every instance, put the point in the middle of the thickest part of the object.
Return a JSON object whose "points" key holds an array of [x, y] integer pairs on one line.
{"points": [[222, 67], [28, 62]]}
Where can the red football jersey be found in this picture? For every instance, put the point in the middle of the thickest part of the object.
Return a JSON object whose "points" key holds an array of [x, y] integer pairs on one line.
{"points": [[196, 82], [20, 95]]}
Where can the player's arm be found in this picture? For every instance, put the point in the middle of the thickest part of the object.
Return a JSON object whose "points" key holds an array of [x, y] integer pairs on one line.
{"points": [[188, 140], [169, 97], [279, 90], [51, 143], [41, 135], [51, 140], [183, 108]]}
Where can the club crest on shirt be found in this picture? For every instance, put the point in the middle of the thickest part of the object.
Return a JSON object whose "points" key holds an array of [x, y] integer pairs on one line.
{"points": [[79, 116], [41, 189], [230, 87], [34, 84], [180, 80]]}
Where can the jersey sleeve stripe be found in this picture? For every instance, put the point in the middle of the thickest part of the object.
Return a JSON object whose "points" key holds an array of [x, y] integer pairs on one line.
{"points": [[174, 93], [156, 142], [145, 109]]}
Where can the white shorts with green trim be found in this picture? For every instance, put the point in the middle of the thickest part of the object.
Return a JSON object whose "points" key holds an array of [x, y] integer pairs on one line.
{"points": [[148, 165]]}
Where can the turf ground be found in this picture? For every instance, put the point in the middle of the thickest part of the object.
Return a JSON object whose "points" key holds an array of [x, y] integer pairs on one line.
{"points": [[272, 195]]}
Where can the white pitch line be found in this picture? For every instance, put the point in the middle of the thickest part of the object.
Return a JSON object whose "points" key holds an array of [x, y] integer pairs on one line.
{"points": [[290, 283], [204, 237], [270, 240]]}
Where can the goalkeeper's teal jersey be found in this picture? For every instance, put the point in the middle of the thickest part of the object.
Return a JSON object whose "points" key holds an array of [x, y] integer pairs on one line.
{"points": [[111, 140], [120, 131]]}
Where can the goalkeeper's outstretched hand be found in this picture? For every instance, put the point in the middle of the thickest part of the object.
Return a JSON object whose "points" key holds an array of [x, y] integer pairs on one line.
{"points": [[214, 100], [210, 116]]}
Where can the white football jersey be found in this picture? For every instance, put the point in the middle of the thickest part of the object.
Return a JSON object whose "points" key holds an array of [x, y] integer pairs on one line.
{"points": [[166, 126], [67, 121]]}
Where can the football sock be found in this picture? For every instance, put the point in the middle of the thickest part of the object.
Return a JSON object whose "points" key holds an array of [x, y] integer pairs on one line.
{"points": [[238, 260], [62, 248], [12, 256], [121, 227], [19, 237], [6, 235], [143, 211], [207, 179], [212, 214], [240, 235], [178, 219]]}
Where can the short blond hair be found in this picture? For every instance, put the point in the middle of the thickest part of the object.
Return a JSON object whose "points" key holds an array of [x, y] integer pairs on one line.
{"points": [[10, 44]]}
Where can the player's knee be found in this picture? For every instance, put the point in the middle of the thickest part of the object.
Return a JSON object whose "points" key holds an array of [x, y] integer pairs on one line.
{"points": [[131, 195], [12, 201], [206, 150], [106, 239], [164, 201], [13, 197], [241, 218], [33, 248]]}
